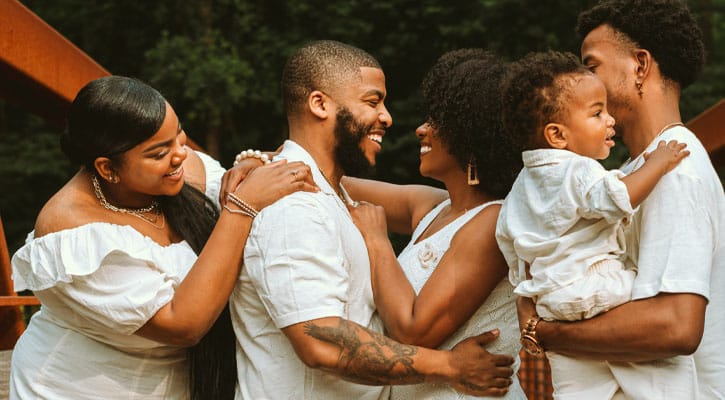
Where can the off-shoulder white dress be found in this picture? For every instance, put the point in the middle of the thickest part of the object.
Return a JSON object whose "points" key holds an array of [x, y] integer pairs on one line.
{"points": [[98, 283], [418, 261]]}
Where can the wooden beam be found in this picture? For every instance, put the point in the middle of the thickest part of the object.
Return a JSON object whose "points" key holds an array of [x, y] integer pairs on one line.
{"points": [[16, 301], [42, 71], [709, 126]]}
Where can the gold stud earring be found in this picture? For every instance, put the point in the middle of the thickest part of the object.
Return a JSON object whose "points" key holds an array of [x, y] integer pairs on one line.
{"points": [[113, 178]]}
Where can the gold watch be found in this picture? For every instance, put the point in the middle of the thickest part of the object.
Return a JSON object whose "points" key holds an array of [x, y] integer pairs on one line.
{"points": [[528, 337]]}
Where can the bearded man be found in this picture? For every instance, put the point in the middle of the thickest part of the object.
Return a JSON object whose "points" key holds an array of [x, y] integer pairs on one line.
{"points": [[303, 309]]}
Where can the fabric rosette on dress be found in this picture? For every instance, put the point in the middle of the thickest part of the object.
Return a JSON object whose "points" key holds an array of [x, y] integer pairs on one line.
{"points": [[428, 255]]}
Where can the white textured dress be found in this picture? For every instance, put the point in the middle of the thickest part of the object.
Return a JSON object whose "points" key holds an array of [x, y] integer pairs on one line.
{"points": [[98, 283], [418, 261]]}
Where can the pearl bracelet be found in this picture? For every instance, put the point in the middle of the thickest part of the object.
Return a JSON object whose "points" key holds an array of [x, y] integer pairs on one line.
{"points": [[252, 154]]}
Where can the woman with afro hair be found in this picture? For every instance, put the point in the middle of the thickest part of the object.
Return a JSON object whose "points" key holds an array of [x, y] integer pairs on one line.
{"points": [[450, 281]]}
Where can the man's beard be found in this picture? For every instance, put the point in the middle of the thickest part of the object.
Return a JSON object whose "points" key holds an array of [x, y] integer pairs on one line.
{"points": [[348, 154]]}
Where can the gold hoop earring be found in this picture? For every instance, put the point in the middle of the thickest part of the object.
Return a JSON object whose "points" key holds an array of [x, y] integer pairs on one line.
{"points": [[472, 172]]}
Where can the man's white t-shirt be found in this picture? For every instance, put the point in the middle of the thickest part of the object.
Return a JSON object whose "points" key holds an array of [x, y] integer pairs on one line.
{"points": [[676, 240], [304, 260]]}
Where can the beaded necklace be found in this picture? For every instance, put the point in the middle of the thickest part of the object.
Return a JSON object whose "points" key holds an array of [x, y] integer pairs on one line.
{"points": [[136, 212]]}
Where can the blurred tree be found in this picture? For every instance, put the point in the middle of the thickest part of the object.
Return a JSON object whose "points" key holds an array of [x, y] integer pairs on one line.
{"points": [[219, 63], [32, 168]]}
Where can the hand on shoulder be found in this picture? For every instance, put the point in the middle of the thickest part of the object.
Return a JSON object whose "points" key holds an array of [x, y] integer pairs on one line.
{"points": [[194, 171]]}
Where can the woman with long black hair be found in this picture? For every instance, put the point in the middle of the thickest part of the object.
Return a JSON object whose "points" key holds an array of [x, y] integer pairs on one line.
{"points": [[131, 260]]}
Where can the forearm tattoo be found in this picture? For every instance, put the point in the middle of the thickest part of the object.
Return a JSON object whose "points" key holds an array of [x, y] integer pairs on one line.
{"points": [[368, 357]]}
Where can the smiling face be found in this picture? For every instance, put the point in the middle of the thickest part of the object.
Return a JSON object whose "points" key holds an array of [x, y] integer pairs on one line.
{"points": [[351, 136], [361, 121], [154, 167], [435, 159], [586, 125]]}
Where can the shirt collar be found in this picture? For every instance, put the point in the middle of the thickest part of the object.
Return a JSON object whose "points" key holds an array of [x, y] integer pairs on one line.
{"points": [[539, 157], [294, 152]]}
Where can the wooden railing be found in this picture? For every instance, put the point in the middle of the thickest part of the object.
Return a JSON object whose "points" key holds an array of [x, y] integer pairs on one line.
{"points": [[11, 316], [709, 126], [41, 71]]}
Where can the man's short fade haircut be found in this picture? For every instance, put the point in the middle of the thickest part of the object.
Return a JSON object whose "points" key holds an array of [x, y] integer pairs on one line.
{"points": [[321, 65], [535, 92], [663, 27]]}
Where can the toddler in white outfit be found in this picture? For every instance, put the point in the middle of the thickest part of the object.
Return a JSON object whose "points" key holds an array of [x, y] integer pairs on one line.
{"points": [[561, 226]]}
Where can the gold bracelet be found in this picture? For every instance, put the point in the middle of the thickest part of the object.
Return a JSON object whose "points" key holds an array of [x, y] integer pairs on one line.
{"points": [[529, 340], [241, 212]]}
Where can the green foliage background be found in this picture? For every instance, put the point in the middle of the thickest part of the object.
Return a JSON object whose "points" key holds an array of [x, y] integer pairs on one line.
{"points": [[219, 61]]}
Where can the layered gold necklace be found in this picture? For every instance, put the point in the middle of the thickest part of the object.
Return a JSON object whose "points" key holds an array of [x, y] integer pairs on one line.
{"points": [[140, 213]]}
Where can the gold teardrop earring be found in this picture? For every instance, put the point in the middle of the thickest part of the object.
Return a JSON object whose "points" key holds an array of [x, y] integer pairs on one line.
{"points": [[638, 83]]}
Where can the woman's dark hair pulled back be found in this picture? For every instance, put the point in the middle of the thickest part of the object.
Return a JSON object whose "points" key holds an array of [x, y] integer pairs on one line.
{"points": [[109, 116]]}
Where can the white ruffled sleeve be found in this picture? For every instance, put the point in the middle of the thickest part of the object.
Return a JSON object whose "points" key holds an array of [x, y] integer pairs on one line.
{"points": [[108, 274]]}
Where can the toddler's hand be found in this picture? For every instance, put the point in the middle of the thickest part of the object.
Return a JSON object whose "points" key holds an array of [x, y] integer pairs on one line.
{"points": [[667, 155]]}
